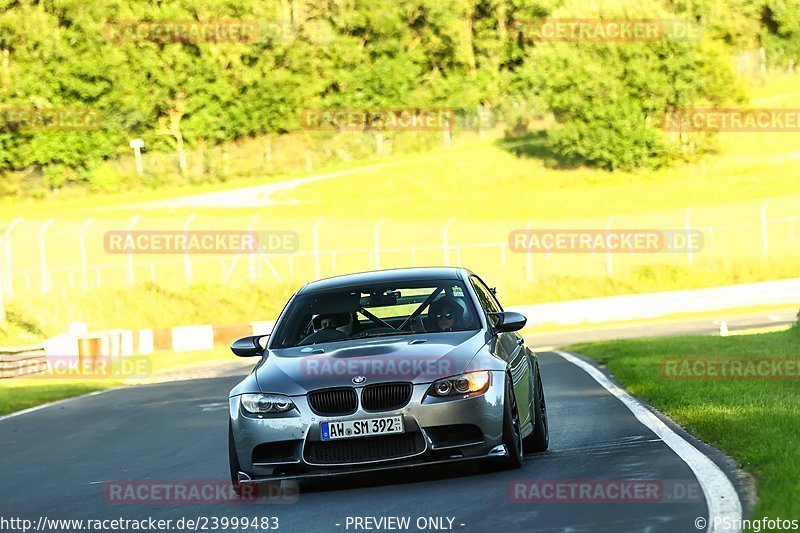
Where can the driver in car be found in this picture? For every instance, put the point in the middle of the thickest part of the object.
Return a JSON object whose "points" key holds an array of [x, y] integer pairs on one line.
{"points": [[446, 314], [330, 321], [338, 321]]}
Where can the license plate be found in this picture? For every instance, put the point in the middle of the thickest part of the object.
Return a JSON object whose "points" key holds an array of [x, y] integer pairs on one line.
{"points": [[362, 428]]}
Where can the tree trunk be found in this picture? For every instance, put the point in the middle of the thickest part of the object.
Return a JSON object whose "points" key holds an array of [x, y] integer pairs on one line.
{"points": [[6, 77], [173, 128], [468, 45], [502, 34], [181, 151]]}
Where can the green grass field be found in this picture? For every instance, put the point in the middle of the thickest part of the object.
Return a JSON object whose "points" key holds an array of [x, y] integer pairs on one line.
{"points": [[753, 421], [485, 188]]}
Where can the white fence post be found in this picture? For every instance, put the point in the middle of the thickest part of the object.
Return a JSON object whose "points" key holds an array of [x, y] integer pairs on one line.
{"points": [[764, 237], [2, 303], [84, 255], [609, 256], [131, 224], [43, 256], [529, 254], [7, 246], [376, 242], [315, 238], [187, 262], [446, 241], [688, 224], [251, 257]]}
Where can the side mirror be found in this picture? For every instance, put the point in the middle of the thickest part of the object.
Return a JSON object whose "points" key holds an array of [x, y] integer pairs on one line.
{"points": [[508, 321], [248, 346]]}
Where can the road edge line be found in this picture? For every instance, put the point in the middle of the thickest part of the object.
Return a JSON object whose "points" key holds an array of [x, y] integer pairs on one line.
{"points": [[721, 496]]}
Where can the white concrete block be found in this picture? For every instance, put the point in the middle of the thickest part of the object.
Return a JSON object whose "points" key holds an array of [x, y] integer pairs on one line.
{"points": [[145, 342], [190, 338]]}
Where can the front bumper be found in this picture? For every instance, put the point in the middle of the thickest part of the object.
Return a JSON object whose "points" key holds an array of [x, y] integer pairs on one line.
{"points": [[443, 430]]}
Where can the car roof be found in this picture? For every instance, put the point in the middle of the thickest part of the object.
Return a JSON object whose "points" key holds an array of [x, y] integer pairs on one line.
{"points": [[386, 276]]}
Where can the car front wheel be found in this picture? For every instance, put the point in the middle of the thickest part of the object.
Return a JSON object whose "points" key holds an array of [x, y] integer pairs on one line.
{"points": [[511, 428], [539, 439], [233, 461]]}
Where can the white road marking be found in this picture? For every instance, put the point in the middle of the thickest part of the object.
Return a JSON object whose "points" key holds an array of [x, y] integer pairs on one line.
{"points": [[723, 502], [215, 406]]}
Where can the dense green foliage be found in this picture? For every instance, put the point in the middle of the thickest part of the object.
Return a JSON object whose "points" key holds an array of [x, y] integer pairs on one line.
{"points": [[314, 54]]}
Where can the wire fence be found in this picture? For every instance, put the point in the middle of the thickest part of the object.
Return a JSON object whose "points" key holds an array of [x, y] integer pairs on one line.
{"points": [[47, 255]]}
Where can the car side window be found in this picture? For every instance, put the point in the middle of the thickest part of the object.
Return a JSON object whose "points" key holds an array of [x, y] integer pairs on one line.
{"points": [[485, 296]]}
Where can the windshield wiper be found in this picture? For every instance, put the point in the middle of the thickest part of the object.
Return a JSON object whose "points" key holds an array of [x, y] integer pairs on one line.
{"points": [[367, 334], [363, 335]]}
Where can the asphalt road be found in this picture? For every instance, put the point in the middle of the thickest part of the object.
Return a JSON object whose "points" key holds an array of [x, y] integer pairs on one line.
{"points": [[692, 326], [55, 462]]}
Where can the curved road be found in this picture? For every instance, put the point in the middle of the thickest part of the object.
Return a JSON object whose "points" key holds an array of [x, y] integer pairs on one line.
{"points": [[56, 460]]}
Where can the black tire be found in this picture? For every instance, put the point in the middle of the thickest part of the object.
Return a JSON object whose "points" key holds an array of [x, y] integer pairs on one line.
{"points": [[233, 461], [539, 439], [511, 428]]}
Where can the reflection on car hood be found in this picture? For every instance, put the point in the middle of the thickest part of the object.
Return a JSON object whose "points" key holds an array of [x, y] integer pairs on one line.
{"points": [[418, 358]]}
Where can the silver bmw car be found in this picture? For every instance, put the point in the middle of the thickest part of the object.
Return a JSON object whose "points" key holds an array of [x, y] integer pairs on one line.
{"points": [[385, 369]]}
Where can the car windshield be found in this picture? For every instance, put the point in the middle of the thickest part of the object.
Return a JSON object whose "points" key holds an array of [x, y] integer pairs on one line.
{"points": [[376, 310]]}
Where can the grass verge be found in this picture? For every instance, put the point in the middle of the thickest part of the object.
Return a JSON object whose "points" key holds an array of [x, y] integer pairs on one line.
{"points": [[23, 393], [754, 421]]}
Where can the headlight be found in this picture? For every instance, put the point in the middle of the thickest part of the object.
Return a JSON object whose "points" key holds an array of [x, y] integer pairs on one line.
{"points": [[464, 384], [266, 403]]}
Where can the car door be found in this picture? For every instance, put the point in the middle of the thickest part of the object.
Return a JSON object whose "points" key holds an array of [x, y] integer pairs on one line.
{"points": [[509, 347]]}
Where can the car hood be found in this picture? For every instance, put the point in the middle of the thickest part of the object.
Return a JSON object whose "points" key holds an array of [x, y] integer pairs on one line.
{"points": [[420, 358]]}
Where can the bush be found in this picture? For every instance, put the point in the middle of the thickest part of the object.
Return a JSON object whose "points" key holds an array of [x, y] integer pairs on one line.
{"points": [[608, 98]]}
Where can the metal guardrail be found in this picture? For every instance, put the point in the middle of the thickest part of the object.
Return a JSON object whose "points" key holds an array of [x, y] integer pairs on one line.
{"points": [[15, 362]]}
